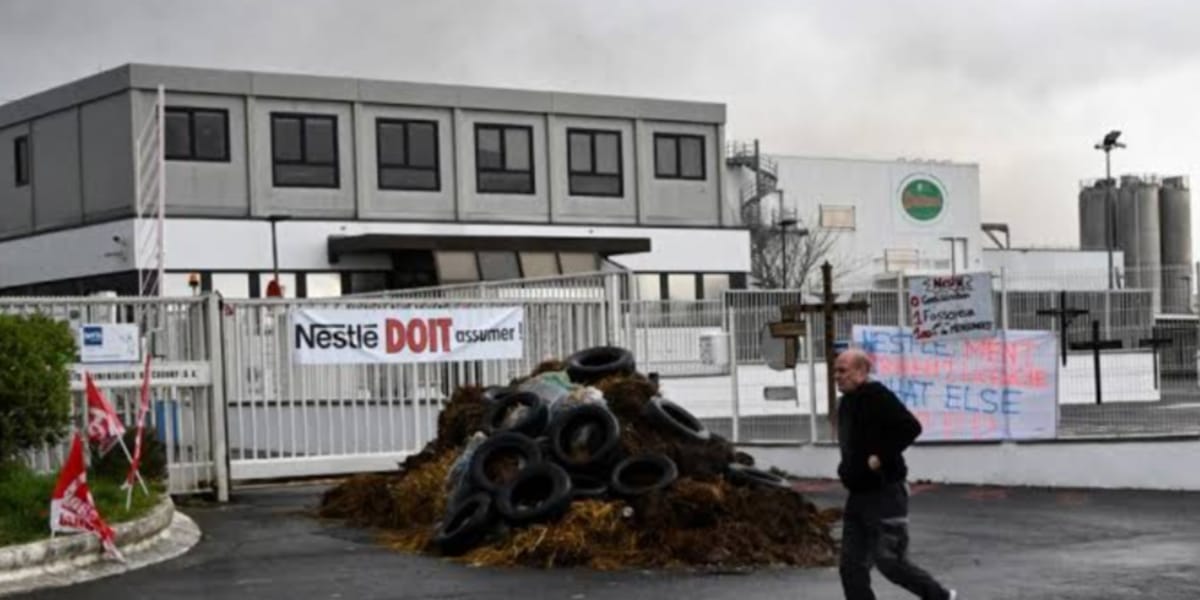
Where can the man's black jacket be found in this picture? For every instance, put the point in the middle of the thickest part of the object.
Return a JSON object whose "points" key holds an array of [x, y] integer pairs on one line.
{"points": [[872, 420]]}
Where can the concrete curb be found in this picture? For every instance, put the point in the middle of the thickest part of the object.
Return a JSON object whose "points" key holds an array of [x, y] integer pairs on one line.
{"points": [[161, 535]]}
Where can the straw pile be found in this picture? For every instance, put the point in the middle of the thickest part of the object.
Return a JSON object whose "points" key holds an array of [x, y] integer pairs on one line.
{"points": [[702, 519]]}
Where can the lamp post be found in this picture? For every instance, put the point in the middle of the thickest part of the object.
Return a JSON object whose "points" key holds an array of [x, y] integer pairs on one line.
{"points": [[1107, 145], [786, 223]]}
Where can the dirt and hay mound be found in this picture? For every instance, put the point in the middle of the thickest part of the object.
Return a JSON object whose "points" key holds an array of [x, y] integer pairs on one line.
{"points": [[585, 463]]}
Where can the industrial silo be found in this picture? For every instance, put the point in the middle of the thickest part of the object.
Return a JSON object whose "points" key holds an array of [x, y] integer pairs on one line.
{"points": [[1175, 211], [1139, 228], [1125, 236], [1093, 233]]}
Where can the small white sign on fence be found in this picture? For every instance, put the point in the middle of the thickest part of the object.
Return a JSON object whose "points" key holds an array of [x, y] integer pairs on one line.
{"points": [[951, 306], [109, 343]]}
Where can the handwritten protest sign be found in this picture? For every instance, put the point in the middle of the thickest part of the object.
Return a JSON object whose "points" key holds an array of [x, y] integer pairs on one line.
{"points": [[951, 306], [999, 387]]}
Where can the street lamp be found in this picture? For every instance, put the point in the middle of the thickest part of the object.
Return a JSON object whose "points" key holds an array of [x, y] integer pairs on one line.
{"points": [[1107, 145], [786, 223]]}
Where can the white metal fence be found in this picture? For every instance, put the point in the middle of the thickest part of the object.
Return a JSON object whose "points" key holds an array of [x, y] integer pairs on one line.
{"points": [[1144, 392], [178, 334], [288, 419], [260, 415]]}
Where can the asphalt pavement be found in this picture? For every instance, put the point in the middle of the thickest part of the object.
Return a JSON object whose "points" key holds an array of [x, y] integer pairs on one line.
{"points": [[990, 543]]}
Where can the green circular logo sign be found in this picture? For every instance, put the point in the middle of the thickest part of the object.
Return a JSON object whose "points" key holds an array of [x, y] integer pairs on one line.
{"points": [[922, 199]]}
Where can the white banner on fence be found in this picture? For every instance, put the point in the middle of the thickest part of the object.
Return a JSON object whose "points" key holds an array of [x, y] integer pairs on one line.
{"points": [[951, 306], [423, 335], [108, 342], [999, 387]]}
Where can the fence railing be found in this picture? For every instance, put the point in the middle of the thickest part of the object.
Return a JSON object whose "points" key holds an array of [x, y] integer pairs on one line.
{"points": [[1145, 391], [287, 419], [185, 416]]}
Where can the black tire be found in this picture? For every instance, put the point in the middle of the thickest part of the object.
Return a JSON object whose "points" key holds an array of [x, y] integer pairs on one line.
{"points": [[677, 419], [643, 474], [543, 444], [465, 525], [607, 436], [588, 487], [594, 364], [505, 442], [532, 424], [542, 492], [493, 393], [739, 474]]}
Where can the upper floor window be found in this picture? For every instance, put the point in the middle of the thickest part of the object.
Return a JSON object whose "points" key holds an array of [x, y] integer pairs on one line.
{"points": [[594, 159], [304, 150], [678, 156], [837, 217], [197, 134], [21, 160], [407, 153], [504, 159]]}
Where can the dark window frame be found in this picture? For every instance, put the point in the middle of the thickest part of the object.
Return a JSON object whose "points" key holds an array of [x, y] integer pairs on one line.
{"points": [[501, 128], [22, 165], [303, 160], [678, 174], [437, 158], [191, 111], [620, 174]]}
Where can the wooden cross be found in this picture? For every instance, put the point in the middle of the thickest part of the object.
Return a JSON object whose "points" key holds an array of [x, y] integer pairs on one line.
{"points": [[827, 307], [1065, 315], [1154, 342], [1096, 345]]}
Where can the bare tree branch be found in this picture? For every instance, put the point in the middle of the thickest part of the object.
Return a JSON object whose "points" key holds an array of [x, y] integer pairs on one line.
{"points": [[805, 252]]}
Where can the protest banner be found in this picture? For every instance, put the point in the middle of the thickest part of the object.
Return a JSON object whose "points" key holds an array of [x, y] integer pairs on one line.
{"points": [[999, 387], [951, 306], [422, 335]]}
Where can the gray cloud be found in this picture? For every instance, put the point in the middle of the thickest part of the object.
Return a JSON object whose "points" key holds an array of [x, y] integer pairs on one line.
{"points": [[1021, 87]]}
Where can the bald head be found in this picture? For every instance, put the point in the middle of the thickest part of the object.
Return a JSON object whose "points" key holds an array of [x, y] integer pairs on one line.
{"points": [[851, 369]]}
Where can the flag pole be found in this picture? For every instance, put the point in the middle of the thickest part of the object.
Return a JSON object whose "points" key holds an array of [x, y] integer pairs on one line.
{"points": [[137, 473]]}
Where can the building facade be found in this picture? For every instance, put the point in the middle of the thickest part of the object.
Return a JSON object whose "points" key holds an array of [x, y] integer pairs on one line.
{"points": [[361, 185], [884, 217]]}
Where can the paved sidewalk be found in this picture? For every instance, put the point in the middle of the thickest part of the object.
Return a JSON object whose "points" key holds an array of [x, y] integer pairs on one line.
{"points": [[991, 543]]}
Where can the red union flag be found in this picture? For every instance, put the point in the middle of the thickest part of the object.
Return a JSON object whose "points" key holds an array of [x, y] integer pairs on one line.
{"points": [[103, 427], [71, 506]]}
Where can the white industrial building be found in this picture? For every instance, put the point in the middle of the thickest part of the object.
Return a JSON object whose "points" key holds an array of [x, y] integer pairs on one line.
{"points": [[887, 216]]}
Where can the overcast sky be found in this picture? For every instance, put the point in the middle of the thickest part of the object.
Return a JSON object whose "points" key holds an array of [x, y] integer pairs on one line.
{"points": [[1023, 88]]}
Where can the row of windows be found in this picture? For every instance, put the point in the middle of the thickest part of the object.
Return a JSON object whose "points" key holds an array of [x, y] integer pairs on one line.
{"points": [[304, 152], [684, 286], [651, 286], [416, 270]]}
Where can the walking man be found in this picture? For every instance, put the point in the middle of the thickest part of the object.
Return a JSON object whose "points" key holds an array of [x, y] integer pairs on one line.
{"points": [[874, 428]]}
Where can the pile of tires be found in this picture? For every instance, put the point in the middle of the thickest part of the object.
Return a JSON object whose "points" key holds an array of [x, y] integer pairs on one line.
{"points": [[533, 464]]}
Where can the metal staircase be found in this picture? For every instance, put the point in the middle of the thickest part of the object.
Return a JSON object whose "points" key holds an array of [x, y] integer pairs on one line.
{"points": [[766, 178]]}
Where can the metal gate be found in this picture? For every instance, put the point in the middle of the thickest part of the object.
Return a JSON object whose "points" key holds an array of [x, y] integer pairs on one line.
{"points": [[178, 333], [288, 420]]}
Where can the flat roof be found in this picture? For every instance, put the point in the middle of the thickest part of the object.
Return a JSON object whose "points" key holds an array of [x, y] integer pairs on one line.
{"points": [[907, 161], [348, 89]]}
